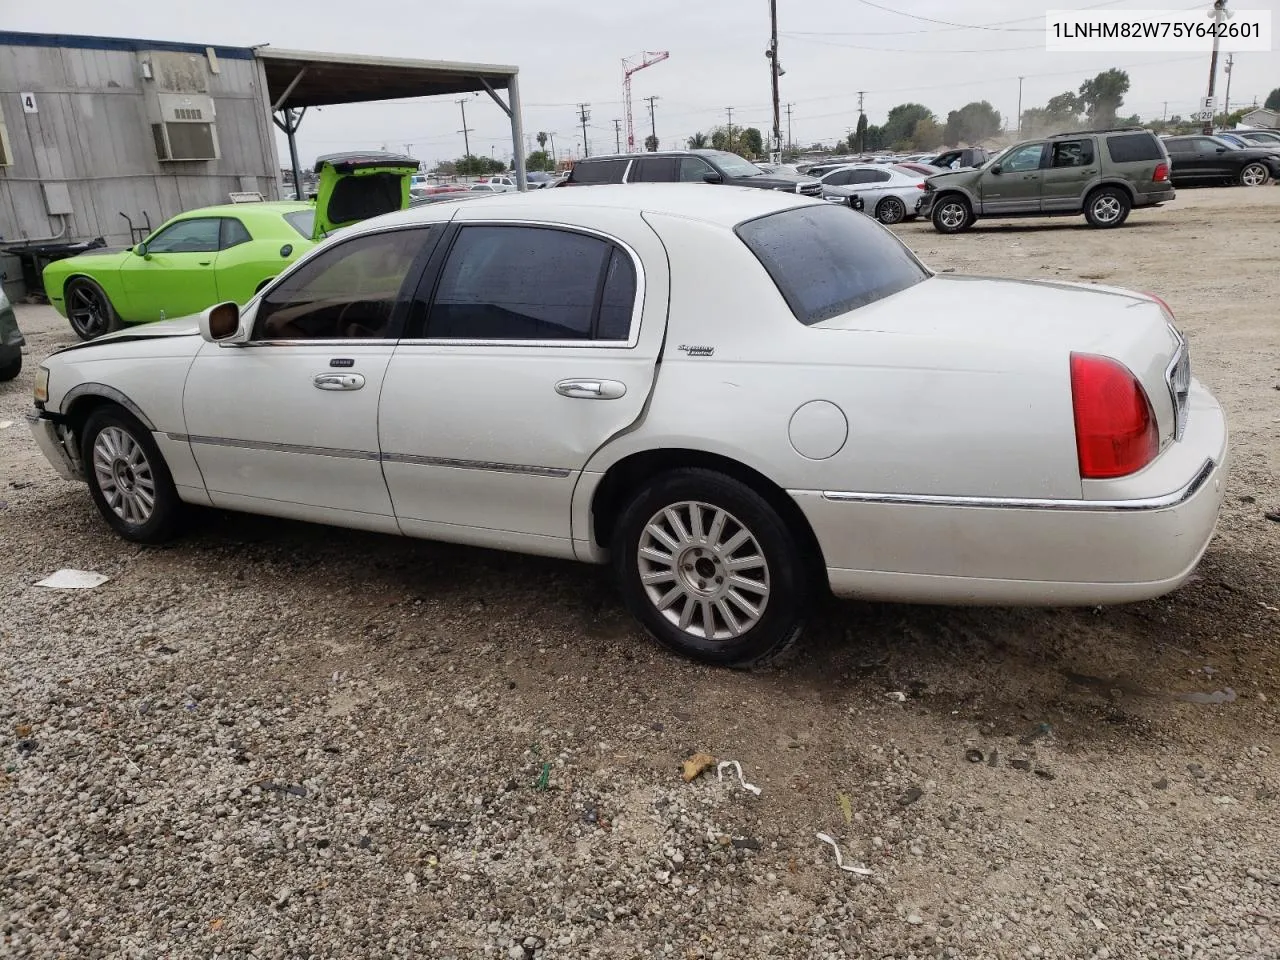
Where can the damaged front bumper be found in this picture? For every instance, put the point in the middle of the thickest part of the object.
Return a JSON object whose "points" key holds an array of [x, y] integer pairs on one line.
{"points": [[57, 443]]}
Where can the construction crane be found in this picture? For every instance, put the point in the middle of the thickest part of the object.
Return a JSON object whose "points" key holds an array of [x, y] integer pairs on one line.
{"points": [[629, 66]]}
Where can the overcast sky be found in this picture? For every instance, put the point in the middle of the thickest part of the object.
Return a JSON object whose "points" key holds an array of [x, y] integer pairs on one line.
{"points": [[571, 51]]}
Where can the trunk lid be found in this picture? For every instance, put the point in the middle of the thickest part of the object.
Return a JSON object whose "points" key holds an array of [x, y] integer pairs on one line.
{"points": [[356, 186]]}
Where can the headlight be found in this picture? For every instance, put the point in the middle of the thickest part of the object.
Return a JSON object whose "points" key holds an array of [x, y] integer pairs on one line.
{"points": [[42, 385]]}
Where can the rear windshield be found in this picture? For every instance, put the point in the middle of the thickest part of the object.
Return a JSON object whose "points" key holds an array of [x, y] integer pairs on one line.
{"points": [[304, 221], [1134, 147], [828, 260], [599, 171]]}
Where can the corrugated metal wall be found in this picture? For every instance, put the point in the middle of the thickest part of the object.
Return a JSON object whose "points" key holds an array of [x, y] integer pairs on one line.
{"points": [[92, 132]]}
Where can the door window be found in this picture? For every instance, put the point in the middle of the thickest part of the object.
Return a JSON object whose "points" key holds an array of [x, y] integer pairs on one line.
{"points": [[199, 235], [655, 170], [1023, 159], [1072, 153], [693, 170], [841, 178], [233, 233], [1206, 147], [532, 283], [599, 171], [349, 291], [868, 176]]}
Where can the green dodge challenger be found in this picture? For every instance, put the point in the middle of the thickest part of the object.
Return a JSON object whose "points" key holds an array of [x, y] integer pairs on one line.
{"points": [[228, 252]]}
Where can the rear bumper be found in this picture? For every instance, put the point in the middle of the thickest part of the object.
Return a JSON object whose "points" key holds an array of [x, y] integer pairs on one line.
{"points": [[53, 439], [986, 550], [1150, 199]]}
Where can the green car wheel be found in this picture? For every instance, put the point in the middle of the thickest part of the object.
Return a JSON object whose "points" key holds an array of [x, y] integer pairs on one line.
{"points": [[89, 309]]}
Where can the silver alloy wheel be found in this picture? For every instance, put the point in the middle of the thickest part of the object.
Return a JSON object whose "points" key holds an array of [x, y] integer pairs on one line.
{"points": [[124, 475], [891, 210], [703, 570], [1254, 175], [952, 214], [1107, 208]]}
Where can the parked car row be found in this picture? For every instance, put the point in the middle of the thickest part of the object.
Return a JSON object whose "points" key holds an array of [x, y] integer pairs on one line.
{"points": [[486, 371], [891, 193]]}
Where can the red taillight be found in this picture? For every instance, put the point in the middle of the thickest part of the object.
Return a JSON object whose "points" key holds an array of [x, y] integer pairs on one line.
{"points": [[1116, 431], [1161, 174], [920, 185]]}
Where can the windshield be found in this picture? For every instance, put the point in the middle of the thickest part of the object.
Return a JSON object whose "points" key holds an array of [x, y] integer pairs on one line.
{"points": [[304, 221], [732, 165], [828, 260]]}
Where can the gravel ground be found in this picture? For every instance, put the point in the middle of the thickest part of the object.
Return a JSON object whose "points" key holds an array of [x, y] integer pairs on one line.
{"points": [[276, 740]]}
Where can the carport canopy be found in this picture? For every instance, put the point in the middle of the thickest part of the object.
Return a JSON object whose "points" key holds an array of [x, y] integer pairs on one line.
{"points": [[298, 79]]}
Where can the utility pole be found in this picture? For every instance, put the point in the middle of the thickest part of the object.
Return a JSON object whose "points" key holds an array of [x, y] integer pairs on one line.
{"points": [[584, 115], [772, 53], [1020, 79], [862, 145], [617, 134], [1164, 114], [791, 144], [1226, 107], [465, 131], [1219, 14], [729, 110], [653, 125], [554, 156]]}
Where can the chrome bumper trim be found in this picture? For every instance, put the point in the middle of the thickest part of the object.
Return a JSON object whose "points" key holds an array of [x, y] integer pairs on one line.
{"points": [[1172, 499], [51, 445]]}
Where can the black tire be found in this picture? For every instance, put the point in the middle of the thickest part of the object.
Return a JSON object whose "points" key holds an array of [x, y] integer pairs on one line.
{"points": [[787, 592], [1107, 207], [129, 476], [11, 369], [1254, 175], [891, 210], [952, 214], [89, 309]]}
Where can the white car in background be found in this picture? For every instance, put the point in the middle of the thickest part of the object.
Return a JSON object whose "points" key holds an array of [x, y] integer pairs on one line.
{"points": [[889, 192], [738, 398]]}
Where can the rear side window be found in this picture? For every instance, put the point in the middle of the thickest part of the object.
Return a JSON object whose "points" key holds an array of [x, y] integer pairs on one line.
{"points": [[1134, 147], [828, 260], [599, 171], [655, 170]]}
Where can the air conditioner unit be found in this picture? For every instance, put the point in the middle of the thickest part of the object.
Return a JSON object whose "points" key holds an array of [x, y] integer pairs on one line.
{"points": [[6, 154], [183, 126]]}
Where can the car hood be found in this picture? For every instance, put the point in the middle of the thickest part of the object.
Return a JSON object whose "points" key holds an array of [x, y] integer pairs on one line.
{"points": [[98, 256], [953, 178], [178, 327]]}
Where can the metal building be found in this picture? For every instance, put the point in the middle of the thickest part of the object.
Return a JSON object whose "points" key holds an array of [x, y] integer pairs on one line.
{"points": [[96, 132]]}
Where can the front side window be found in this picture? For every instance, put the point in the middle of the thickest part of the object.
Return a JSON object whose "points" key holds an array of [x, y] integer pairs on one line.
{"points": [[349, 291], [200, 235], [1072, 153], [867, 176], [1207, 146], [1023, 159], [233, 233], [693, 170], [532, 283], [839, 178], [826, 261]]}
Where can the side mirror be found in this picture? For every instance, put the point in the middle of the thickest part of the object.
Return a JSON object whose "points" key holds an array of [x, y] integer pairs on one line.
{"points": [[713, 178], [996, 169], [1222, 150], [221, 324], [141, 250]]}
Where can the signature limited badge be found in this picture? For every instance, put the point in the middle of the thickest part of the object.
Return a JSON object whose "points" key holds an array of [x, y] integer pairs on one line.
{"points": [[697, 351]]}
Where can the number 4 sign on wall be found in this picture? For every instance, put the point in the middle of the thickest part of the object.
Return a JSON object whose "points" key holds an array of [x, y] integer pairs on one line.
{"points": [[29, 102]]}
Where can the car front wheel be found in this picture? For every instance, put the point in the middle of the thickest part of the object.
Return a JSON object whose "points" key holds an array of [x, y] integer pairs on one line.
{"points": [[1254, 175], [1108, 207], [952, 215], [711, 569], [128, 478], [89, 309]]}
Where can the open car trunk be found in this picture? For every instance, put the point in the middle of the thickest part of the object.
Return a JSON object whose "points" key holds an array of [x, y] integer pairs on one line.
{"points": [[357, 186]]}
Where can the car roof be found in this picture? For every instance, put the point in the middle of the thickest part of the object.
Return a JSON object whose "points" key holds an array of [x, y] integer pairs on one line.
{"points": [[725, 206], [659, 153], [280, 207]]}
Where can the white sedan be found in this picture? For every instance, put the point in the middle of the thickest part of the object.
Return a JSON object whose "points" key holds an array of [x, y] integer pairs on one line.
{"points": [[889, 192], [738, 398]]}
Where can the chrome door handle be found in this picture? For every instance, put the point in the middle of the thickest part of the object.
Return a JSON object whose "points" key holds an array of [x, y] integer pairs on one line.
{"points": [[339, 381], [591, 389]]}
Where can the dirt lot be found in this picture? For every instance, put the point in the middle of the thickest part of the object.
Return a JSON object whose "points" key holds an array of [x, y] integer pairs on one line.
{"points": [[276, 740]]}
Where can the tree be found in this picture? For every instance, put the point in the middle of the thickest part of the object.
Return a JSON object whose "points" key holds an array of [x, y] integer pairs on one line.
{"points": [[752, 142], [542, 139], [445, 168], [928, 135], [472, 166], [1060, 114], [731, 139], [972, 123], [539, 160], [901, 124], [1103, 95], [858, 142], [651, 143], [1273, 100], [698, 141]]}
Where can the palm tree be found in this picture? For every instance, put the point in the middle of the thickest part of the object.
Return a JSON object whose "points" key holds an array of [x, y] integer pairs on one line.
{"points": [[542, 139], [698, 141]]}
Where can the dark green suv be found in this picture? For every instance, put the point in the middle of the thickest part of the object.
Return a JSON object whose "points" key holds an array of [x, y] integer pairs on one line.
{"points": [[1101, 173]]}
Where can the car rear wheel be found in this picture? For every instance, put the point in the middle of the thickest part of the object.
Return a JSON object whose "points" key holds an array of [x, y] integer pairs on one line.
{"points": [[11, 369], [89, 309], [1254, 175], [1107, 207], [952, 215], [128, 478], [891, 210], [710, 569]]}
